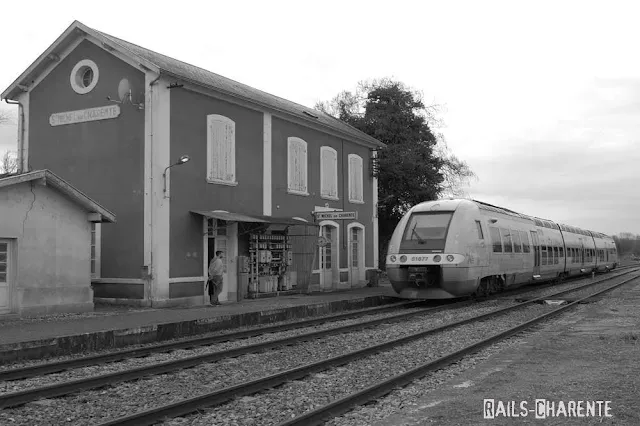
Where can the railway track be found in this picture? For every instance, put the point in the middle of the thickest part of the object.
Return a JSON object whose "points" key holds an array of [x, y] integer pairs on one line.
{"points": [[57, 366], [317, 416], [377, 390], [64, 388]]}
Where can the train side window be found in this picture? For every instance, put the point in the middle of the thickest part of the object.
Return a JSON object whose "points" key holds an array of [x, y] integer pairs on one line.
{"points": [[495, 239], [525, 241], [561, 252], [517, 243], [555, 255], [543, 255], [479, 226], [506, 240]]}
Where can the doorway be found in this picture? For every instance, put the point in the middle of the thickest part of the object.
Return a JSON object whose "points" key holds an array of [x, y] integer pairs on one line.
{"points": [[329, 266], [217, 240], [356, 254]]}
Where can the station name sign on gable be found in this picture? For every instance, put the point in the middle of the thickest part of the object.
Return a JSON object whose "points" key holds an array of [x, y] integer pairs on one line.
{"points": [[336, 215], [84, 115]]}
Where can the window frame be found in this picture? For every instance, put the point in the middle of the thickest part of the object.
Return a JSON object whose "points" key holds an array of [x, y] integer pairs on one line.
{"points": [[290, 142], [210, 164], [323, 193], [95, 243], [508, 235], [479, 229], [493, 241], [524, 237]]}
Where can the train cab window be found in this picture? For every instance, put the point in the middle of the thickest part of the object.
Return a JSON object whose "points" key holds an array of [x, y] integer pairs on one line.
{"points": [[479, 227], [517, 243], [495, 239], [506, 240], [426, 228], [525, 241]]}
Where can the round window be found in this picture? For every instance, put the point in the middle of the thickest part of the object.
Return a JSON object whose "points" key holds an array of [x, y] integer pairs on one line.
{"points": [[84, 76]]}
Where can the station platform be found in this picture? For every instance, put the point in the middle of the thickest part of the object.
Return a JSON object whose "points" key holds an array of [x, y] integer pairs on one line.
{"points": [[111, 327]]}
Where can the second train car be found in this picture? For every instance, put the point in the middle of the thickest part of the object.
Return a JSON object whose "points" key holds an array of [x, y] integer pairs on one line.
{"points": [[457, 247]]}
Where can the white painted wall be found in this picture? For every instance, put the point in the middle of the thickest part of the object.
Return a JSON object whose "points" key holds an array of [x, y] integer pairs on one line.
{"points": [[53, 237]]}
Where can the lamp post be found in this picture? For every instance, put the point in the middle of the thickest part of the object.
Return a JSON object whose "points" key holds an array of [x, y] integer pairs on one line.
{"points": [[181, 161]]}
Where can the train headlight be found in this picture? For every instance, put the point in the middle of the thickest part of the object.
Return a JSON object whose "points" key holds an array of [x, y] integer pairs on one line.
{"points": [[403, 258], [436, 258], [450, 258], [392, 258]]}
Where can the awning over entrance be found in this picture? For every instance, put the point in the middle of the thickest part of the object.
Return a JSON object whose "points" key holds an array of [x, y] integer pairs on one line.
{"points": [[238, 217]]}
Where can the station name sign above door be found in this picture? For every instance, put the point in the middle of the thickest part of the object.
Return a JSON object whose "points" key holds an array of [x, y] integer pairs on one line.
{"points": [[336, 215], [84, 115]]}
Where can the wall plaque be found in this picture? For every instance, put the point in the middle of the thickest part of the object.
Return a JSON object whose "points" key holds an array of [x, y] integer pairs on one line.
{"points": [[84, 115]]}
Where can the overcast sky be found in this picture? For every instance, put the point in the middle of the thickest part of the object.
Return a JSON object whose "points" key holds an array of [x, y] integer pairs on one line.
{"points": [[542, 98]]}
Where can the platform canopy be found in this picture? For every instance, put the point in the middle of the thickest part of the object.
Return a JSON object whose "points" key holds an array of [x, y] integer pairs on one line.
{"points": [[239, 217]]}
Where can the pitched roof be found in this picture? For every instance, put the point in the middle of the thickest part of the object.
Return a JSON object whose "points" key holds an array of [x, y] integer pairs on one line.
{"points": [[65, 188], [199, 76]]}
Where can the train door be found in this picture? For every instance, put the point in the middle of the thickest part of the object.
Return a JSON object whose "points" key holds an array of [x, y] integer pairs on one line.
{"points": [[536, 253]]}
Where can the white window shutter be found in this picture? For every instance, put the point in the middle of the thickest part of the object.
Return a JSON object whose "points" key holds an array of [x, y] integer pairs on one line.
{"points": [[303, 168], [297, 165], [222, 148], [359, 179], [352, 178], [290, 167], [334, 174]]}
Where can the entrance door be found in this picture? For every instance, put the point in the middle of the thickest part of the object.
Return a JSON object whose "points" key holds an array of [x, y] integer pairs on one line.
{"points": [[355, 257], [536, 252], [4, 276], [329, 256], [217, 240]]}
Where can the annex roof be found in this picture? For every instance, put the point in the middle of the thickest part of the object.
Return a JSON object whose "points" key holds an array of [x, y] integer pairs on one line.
{"points": [[191, 74], [48, 178]]}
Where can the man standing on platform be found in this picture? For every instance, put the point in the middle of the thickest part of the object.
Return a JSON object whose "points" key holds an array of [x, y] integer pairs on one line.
{"points": [[214, 283]]}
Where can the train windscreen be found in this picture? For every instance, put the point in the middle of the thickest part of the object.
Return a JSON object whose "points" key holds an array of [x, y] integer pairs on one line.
{"points": [[426, 231]]}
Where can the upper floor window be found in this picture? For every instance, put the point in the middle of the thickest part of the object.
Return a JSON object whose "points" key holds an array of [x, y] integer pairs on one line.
{"points": [[355, 179], [328, 173], [221, 150], [297, 169]]}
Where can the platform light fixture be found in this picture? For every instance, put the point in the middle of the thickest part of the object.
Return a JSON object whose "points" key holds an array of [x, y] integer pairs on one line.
{"points": [[183, 159]]}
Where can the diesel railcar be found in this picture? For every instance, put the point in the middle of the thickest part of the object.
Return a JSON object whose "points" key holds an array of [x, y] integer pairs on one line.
{"points": [[457, 247]]}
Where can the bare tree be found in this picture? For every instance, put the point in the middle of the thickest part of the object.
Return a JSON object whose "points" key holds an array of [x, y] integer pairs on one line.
{"points": [[6, 117], [8, 163]]}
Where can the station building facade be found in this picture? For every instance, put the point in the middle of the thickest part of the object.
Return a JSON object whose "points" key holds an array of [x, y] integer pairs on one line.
{"points": [[192, 162]]}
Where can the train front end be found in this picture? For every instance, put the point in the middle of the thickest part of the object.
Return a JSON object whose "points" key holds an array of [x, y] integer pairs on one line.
{"points": [[428, 253]]}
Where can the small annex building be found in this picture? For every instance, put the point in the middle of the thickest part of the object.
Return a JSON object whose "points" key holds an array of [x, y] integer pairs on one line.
{"points": [[192, 163], [45, 238]]}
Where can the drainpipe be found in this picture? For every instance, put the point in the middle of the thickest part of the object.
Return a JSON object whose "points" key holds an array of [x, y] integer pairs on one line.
{"points": [[151, 271], [20, 133]]}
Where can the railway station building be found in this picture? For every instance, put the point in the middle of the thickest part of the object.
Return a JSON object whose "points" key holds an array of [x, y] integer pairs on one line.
{"points": [[191, 162]]}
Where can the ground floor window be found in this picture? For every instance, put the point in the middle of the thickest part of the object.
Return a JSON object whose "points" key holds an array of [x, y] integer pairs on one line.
{"points": [[96, 236]]}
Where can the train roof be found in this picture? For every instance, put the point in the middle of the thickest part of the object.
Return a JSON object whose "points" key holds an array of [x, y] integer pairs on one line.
{"points": [[452, 204]]}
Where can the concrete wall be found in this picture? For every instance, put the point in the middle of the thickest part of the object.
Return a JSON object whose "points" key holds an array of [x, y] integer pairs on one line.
{"points": [[53, 251]]}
